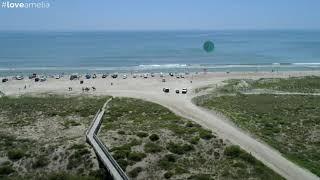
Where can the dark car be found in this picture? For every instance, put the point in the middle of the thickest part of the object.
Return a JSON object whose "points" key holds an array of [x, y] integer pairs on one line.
{"points": [[114, 76], [104, 76], [166, 90], [171, 74], [73, 77], [5, 80], [36, 79], [177, 91], [88, 76]]}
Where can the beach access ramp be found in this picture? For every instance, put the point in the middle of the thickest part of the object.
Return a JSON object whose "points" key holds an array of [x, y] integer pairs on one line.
{"points": [[113, 168]]}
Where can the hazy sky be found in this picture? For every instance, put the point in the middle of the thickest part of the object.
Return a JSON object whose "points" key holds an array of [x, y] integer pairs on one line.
{"points": [[164, 15]]}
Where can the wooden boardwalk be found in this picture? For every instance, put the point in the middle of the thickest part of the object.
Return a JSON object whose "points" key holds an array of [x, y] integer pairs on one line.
{"points": [[101, 150]]}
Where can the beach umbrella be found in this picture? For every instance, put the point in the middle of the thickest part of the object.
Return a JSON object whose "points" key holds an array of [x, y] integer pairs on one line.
{"points": [[208, 46]]}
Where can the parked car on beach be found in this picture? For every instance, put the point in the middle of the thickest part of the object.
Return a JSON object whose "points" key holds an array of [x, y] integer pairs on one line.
{"points": [[114, 76], [104, 76], [184, 91], [87, 76], [18, 78], [166, 90], [5, 80], [73, 77]]}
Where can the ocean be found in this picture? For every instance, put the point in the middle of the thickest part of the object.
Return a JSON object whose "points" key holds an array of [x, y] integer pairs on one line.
{"points": [[111, 51]]}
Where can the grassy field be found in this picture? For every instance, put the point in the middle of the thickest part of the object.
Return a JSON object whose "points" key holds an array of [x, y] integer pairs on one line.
{"points": [[150, 142], [289, 123], [308, 84], [44, 137]]}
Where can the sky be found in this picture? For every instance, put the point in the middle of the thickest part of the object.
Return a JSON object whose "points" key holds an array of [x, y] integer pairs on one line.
{"points": [[163, 15]]}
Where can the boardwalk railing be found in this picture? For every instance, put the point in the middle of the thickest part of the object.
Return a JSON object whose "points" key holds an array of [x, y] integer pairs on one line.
{"points": [[101, 150]]}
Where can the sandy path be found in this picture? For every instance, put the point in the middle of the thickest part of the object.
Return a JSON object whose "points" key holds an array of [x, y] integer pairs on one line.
{"points": [[151, 90]]}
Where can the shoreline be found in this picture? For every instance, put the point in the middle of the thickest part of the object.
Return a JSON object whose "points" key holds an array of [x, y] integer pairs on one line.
{"points": [[165, 68]]}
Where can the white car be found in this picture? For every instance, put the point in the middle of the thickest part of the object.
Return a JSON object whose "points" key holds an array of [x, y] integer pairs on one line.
{"points": [[42, 79], [184, 91], [19, 77], [124, 76], [57, 76]]}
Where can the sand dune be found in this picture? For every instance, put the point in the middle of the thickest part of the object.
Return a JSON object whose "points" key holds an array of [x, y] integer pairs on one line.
{"points": [[151, 89]]}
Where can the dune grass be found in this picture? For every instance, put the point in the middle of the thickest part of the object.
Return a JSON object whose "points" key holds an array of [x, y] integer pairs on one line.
{"points": [[154, 143], [289, 123], [24, 118]]}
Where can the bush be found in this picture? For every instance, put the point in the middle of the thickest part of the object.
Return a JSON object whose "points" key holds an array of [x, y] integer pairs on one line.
{"points": [[41, 161], [168, 175], [142, 134], [232, 151], [154, 137], [167, 162], [205, 134], [121, 154], [135, 172], [136, 156], [121, 132], [194, 140], [123, 163], [248, 158], [152, 148], [6, 170], [135, 142], [15, 154], [179, 149], [180, 170], [200, 177]]}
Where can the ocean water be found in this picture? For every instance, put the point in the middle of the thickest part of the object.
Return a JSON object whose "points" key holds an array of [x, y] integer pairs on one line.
{"points": [[25, 52]]}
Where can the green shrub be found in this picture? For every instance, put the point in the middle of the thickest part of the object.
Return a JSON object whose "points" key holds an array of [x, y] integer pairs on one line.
{"points": [[168, 175], [179, 149], [205, 134], [123, 163], [248, 158], [167, 162], [154, 137], [6, 170], [194, 140], [121, 132], [232, 151], [15, 154], [136, 156], [142, 134], [135, 172], [180, 170], [135, 142], [41, 161], [120, 154], [200, 177], [152, 148]]}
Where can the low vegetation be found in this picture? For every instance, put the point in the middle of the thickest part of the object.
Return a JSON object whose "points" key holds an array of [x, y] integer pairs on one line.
{"points": [[289, 123], [157, 144], [308, 84], [43, 137]]}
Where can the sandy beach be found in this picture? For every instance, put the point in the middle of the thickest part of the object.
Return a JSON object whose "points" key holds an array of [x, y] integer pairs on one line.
{"points": [[151, 89]]}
